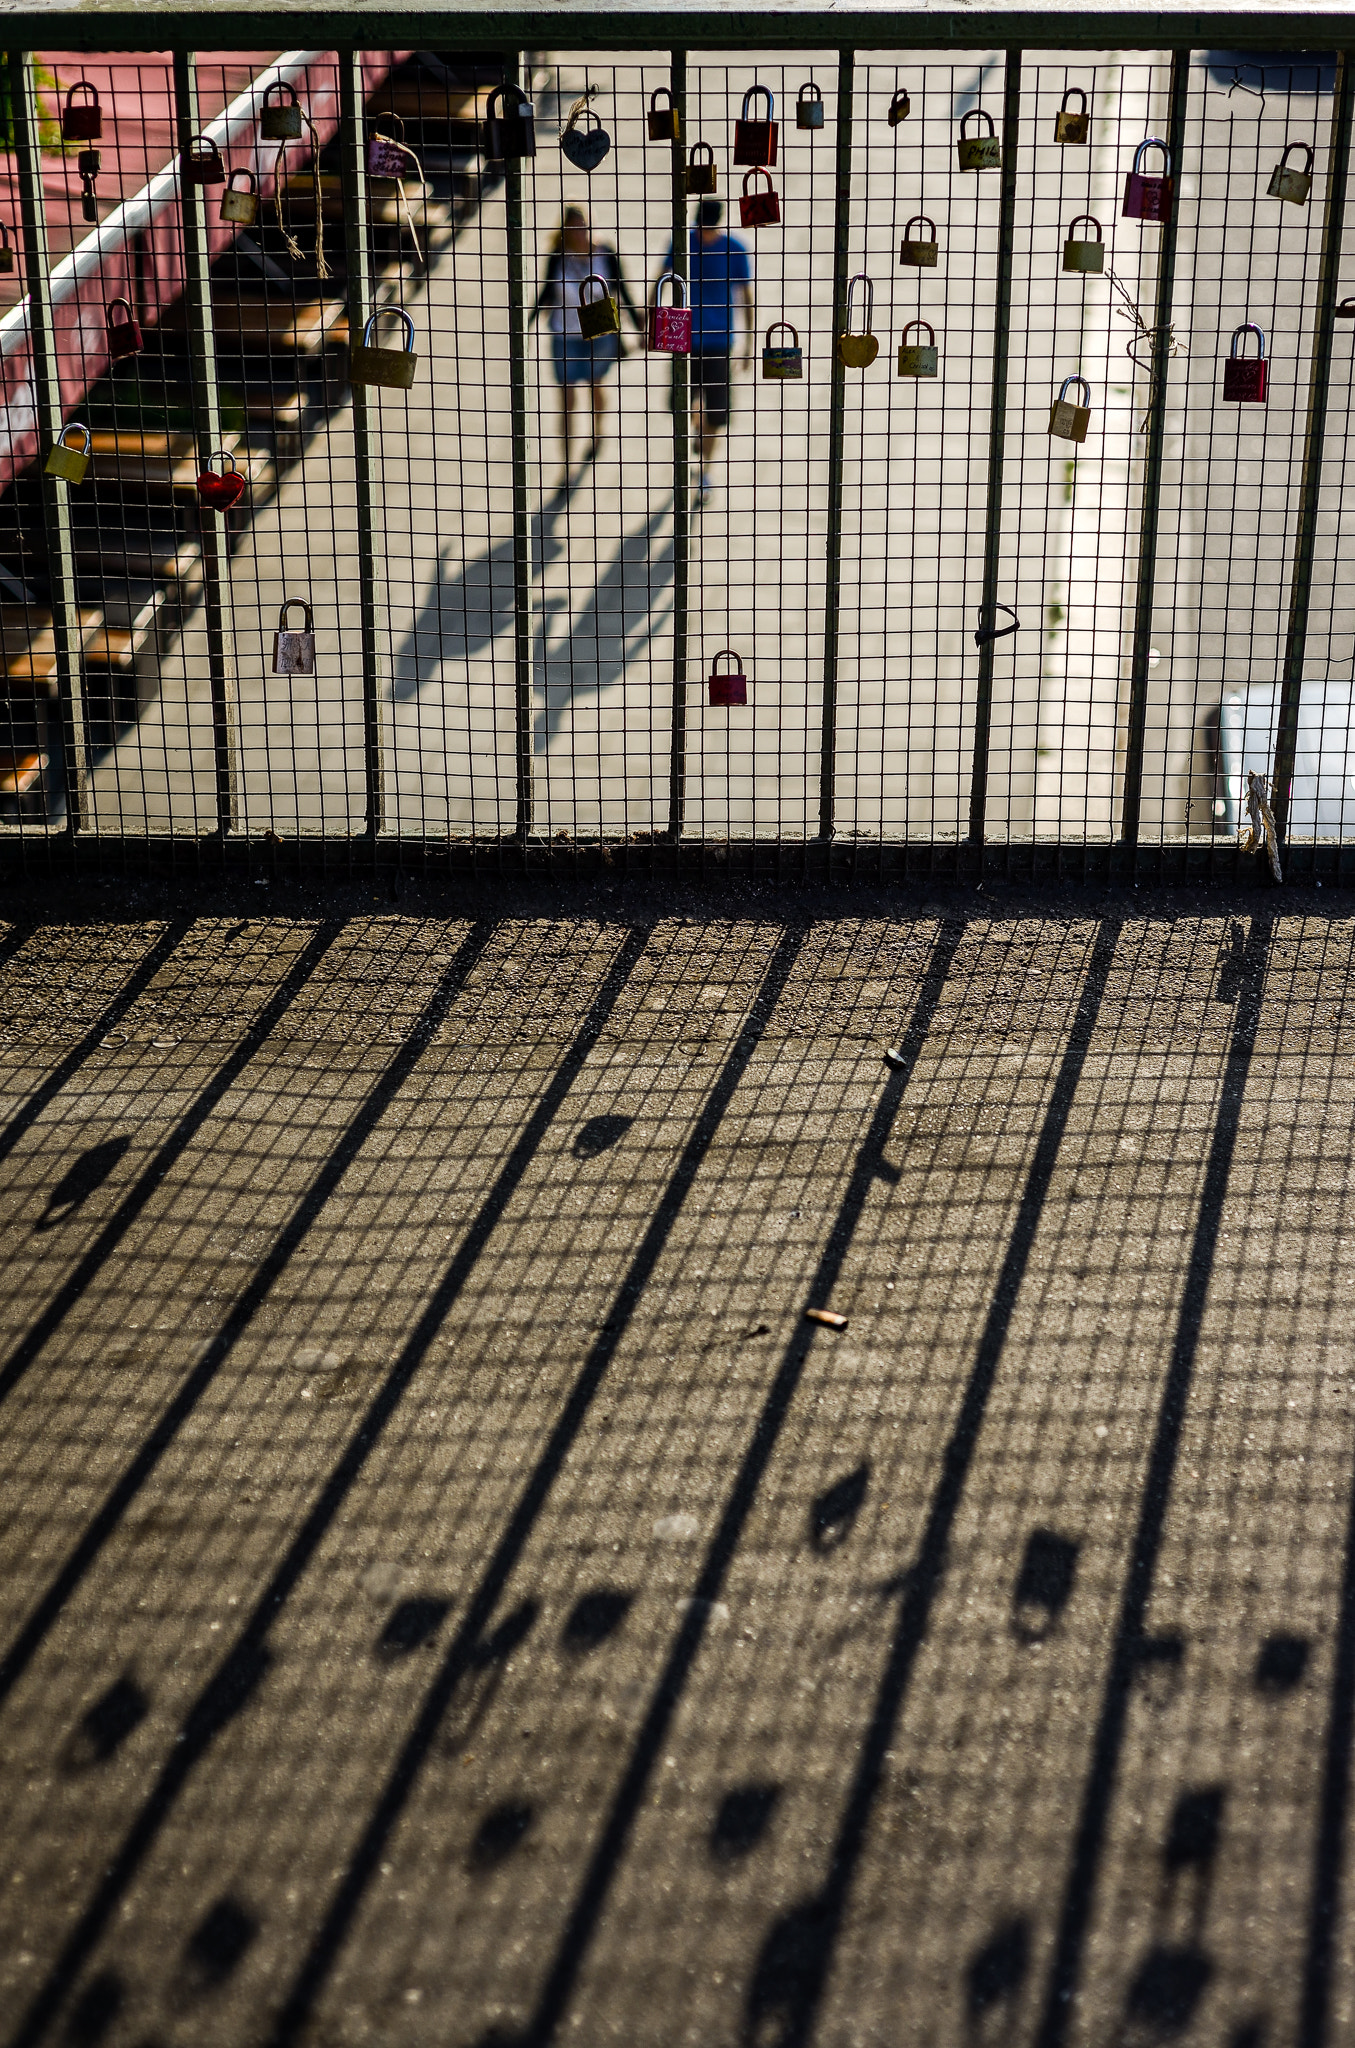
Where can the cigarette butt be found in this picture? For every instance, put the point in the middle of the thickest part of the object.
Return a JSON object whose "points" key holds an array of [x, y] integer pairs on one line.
{"points": [[830, 1319], [894, 1058]]}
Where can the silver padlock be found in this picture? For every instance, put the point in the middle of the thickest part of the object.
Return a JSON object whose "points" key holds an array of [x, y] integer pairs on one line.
{"points": [[918, 358], [1084, 256], [293, 651], [1069, 422], [1292, 185], [919, 250]]}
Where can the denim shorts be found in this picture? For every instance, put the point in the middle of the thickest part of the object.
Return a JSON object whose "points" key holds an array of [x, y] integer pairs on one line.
{"points": [[579, 361]]}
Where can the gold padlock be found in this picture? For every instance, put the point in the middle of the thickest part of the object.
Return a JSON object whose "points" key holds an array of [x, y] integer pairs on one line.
{"points": [[1292, 185], [1072, 127], [857, 351], [1085, 256], [597, 316], [665, 123], [919, 250], [1069, 422], [70, 464], [979, 152], [917, 359], [899, 107], [392, 369], [241, 207]]}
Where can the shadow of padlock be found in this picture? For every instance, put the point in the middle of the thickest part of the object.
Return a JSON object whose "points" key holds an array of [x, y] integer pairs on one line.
{"points": [[917, 358], [755, 141], [512, 131], [978, 152], [728, 686], [241, 207], [70, 464], [1069, 422], [668, 329], [1084, 256], [7, 258], [1292, 185], [1072, 127], [598, 316], [759, 209], [280, 117], [1245, 377], [389, 369], [858, 350], [900, 107], [388, 154], [293, 650], [985, 634], [84, 123], [699, 176], [665, 123], [584, 147], [919, 250], [124, 335], [782, 360], [809, 106], [1148, 195], [220, 489]]}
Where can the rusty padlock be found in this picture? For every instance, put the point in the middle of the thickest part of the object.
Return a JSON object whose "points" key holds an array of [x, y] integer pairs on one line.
{"points": [[70, 464], [1084, 256], [387, 154], [280, 118], [241, 207], [917, 359], [584, 147], [221, 488], [6, 251], [665, 123], [755, 141], [728, 686], [857, 351], [124, 335], [512, 131], [1245, 377], [202, 163], [900, 107], [919, 250], [1148, 196], [979, 152], [84, 123], [700, 175], [782, 360], [390, 369], [1069, 422], [809, 106], [1292, 185], [759, 209], [668, 330], [1072, 127], [293, 651], [598, 316]]}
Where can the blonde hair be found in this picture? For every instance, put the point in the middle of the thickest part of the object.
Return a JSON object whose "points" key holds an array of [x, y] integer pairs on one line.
{"points": [[575, 216]]}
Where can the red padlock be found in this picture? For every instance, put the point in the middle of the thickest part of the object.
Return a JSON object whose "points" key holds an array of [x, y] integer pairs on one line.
{"points": [[1148, 197], [755, 141], [221, 491], [726, 686], [84, 123], [669, 332], [759, 209], [1244, 377], [124, 336]]}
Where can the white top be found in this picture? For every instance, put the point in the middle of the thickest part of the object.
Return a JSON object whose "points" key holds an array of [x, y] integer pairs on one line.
{"points": [[564, 314]]}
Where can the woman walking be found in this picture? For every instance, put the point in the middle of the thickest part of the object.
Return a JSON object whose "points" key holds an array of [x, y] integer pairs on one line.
{"points": [[578, 362]]}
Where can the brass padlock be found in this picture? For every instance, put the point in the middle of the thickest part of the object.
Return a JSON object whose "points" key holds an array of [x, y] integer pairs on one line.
{"points": [[1245, 377], [1072, 127], [919, 250], [857, 351], [979, 152], [899, 107], [84, 123], [597, 316], [755, 141], [809, 106], [512, 131], [241, 207], [280, 119], [1069, 422], [728, 686], [665, 123], [917, 359], [6, 251], [124, 335], [201, 164], [782, 360], [1148, 194], [1085, 256], [700, 176], [1292, 185], [391, 369], [293, 651], [71, 464]]}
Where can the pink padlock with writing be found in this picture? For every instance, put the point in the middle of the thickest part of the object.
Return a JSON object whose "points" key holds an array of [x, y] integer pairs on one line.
{"points": [[1147, 194], [669, 331], [1245, 377]]}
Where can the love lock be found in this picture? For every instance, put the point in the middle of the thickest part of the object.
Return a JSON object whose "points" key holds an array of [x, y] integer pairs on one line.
{"points": [[919, 250], [512, 131], [782, 360], [700, 176], [900, 107], [387, 153], [597, 316], [70, 464], [858, 351], [293, 651], [1148, 196], [84, 123], [1292, 185], [1072, 127], [391, 369], [809, 106], [665, 123], [755, 141], [1245, 377], [241, 207], [585, 147], [201, 163], [668, 331], [1085, 256], [221, 490], [1069, 422], [917, 359], [280, 117], [759, 209], [6, 251], [124, 335], [728, 686], [978, 152]]}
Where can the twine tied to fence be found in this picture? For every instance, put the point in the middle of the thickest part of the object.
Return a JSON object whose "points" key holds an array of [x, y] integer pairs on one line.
{"points": [[294, 249], [1261, 831]]}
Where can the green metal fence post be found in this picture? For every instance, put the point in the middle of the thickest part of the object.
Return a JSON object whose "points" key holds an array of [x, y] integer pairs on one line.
{"points": [[682, 512], [842, 223], [357, 256], [522, 525]]}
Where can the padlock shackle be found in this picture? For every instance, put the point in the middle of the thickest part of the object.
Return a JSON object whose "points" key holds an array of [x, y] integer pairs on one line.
{"points": [[1063, 103], [224, 455], [287, 604], [389, 115], [1248, 327], [775, 328], [926, 221], [286, 95], [667, 92], [126, 305], [601, 282], [582, 114], [679, 286], [931, 334], [1077, 221], [758, 171], [977, 113], [860, 278], [751, 92], [202, 149], [242, 171], [710, 153], [382, 313], [501, 92], [994, 632], [76, 427], [1307, 154], [738, 664], [1077, 378], [810, 89], [84, 85], [1153, 142]]}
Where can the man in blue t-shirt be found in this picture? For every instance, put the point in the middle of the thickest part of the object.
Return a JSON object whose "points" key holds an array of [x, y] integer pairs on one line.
{"points": [[720, 294]]}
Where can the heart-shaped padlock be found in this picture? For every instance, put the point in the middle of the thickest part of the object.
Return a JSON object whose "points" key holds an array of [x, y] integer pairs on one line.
{"points": [[585, 147], [221, 490]]}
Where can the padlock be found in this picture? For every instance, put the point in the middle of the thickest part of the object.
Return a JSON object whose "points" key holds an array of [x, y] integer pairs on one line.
{"points": [[1069, 422], [1146, 196], [728, 686], [900, 107], [387, 154], [665, 123], [584, 147], [858, 351], [220, 489], [1072, 127], [1245, 377], [755, 141], [917, 358], [84, 123], [89, 163], [700, 175], [979, 152], [293, 652], [241, 207], [201, 164], [809, 106], [1292, 185], [598, 315], [6, 251], [1085, 256], [89, 200], [919, 250], [512, 131], [124, 336], [1346, 310], [759, 209], [390, 368], [668, 331], [71, 464], [782, 360], [280, 119]]}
